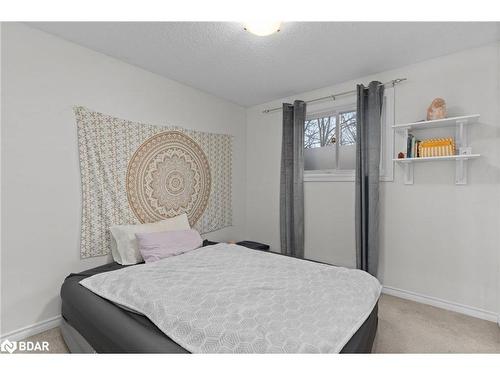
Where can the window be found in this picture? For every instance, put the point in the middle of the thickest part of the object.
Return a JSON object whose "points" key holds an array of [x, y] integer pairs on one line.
{"points": [[330, 142]]}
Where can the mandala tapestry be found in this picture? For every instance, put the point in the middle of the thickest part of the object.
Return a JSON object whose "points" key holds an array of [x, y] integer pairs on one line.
{"points": [[140, 173]]}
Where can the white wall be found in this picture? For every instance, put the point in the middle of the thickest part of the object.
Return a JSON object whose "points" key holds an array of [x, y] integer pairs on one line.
{"points": [[437, 239], [42, 78]]}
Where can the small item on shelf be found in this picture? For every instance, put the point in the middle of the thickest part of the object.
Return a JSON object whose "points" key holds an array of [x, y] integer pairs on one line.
{"points": [[401, 155], [412, 146], [409, 145], [465, 151], [437, 110], [436, 147]]}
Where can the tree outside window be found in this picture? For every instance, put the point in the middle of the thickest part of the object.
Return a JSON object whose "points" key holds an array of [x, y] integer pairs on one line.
{"points": [[322, 131], [347, 121], [319, 132]]}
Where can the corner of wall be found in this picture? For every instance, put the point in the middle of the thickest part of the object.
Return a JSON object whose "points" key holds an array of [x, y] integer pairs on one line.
{"points": [[498, 121], [1, 127]]}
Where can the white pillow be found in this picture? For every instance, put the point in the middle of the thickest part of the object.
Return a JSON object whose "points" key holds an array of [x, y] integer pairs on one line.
{"points": [[124, 247]]}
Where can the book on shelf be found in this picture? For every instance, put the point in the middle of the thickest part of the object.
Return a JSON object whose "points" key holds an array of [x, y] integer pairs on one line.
{"points": [[409, 142], [432, 147]]}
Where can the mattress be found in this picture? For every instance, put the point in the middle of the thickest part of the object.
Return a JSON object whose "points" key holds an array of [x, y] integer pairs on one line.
{"points": [[109, 328]]}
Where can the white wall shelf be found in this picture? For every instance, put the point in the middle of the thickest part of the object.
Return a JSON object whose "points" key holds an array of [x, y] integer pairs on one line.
{"points": [[446, 122], [459, 123], [437, 158]]}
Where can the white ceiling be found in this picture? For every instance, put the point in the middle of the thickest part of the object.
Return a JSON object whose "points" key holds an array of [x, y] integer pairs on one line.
{"points": [[224, 60]]}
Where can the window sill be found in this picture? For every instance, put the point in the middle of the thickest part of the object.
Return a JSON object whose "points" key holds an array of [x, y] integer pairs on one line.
{"points": [[329, 176], [336, 176]]}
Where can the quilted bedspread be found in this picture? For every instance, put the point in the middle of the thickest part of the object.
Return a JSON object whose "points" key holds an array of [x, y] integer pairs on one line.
{"points": [[230, 299]]}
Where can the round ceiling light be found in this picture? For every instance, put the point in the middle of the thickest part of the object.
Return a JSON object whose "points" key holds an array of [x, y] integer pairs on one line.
{"points": [[263, 28]]}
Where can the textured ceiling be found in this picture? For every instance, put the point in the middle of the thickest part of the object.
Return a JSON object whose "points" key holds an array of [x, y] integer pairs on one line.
{"points": [[224, 60]]}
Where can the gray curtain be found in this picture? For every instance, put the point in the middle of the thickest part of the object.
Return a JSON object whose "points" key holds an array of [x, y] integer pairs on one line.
{"points": [[292, 180], [368, 130]]}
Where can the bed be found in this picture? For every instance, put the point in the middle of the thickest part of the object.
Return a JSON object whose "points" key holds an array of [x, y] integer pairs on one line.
{"points": [[92, 323]]}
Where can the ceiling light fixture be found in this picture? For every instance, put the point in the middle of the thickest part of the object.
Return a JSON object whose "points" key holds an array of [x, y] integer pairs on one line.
{"points": [[263, 28]]}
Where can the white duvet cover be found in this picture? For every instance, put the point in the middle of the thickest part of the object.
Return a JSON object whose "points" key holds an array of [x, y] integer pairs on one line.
{"points": [[230, 299]]}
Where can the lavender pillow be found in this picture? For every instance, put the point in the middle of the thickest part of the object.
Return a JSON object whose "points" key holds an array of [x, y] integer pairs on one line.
{"points": [[159, 245]]}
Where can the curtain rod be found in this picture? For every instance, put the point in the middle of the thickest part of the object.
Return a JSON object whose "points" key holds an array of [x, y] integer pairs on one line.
{"points": [[394, 82]]}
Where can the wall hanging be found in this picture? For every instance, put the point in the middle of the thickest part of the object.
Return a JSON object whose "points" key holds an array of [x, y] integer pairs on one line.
{"points": [[139, 173]]}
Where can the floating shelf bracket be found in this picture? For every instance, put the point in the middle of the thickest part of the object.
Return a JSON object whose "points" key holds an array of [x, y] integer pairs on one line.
{"points": [[408, 173], [461, 164], [461, 172]]}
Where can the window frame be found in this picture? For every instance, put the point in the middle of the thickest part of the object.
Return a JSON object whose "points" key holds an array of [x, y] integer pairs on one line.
{"points": [[387, 145]]}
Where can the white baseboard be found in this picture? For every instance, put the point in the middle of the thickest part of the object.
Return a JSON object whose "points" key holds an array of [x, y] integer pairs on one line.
{"points": [[33, 329], [443, 304]]}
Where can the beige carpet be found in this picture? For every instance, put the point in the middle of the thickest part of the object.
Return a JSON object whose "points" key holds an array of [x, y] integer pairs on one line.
{"points": [[404, 327], [53, 337], [410, 327]]}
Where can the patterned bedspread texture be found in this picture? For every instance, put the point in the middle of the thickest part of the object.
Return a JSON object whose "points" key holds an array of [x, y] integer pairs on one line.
{"points": [[229, 299]]}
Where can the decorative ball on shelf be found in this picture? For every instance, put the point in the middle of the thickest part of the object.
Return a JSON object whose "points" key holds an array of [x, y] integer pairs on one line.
{"points": [[437, 110], [401, 155]]}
